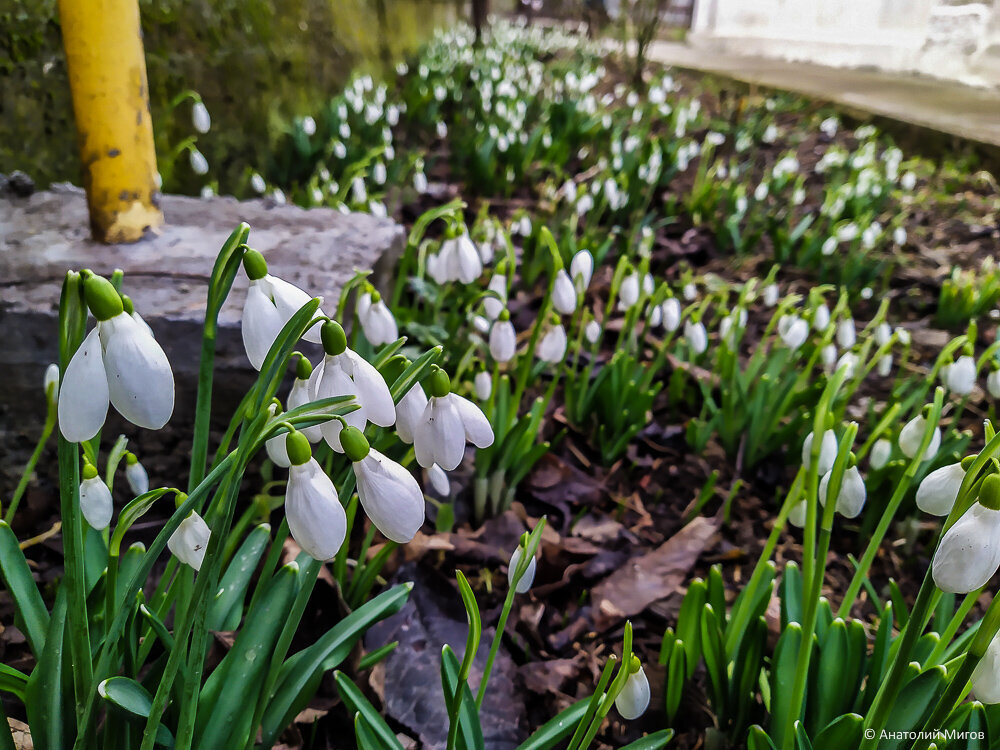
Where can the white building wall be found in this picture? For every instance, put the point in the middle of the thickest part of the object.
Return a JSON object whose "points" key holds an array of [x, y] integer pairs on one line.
{"points": [[951, 39]]}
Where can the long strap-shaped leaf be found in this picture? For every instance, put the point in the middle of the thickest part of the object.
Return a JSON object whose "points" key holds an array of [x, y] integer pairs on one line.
{"points": [[27, 599]]}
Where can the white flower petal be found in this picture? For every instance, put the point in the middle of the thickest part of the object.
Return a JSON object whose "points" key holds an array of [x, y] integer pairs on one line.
{"points": [[140, 382], [390, 496], [440, 436], [409, 411], [95, 503], [137, 478], [439, 480], [938, 491], [261, 324], [289, 299], [336, 382], [969, 552], [372, 391], [529, 574], [633, 700], [316, 519], [478, 430], [190, 541], [300, 395], [83, 395]]}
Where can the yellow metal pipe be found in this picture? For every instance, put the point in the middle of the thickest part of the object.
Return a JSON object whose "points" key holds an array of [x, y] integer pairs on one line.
{"points": [[107, 76]]}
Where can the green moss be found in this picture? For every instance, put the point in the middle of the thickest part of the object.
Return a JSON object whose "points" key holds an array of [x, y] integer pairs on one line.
{"points": [[256, 64]]}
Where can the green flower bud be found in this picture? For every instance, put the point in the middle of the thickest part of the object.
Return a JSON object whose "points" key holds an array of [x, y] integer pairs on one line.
{"points": [[354, 443], [439, 383], [303, 369], [127, 304], [967, 462], [334, 338], [130, 459], [989, 493], [635, 665], [89, 471], [297, 447], [180, 499], [254, 264], [102, 297]]}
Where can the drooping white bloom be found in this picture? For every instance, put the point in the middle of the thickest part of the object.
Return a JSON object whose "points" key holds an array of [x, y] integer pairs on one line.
{"points": [[846, 334], [829, 356], [880, 453], [482, 383], [827, 451], [457, 260], [771, 293], [552, 347], [938, 491], [690, 291], [885, 365], [849, 361], [795, 332], [270, 304], [95, 500], [503, 340], [563, 293], [961, 375], [390, 496], [628, 293], [258, 184], [592, 331], [409, 410], [581, 270], [349, 374], [301, 394], [993, 383], [821, 318], [438, 479], [829, 246], [969, 552], [83, 397], [308, 125], [696, 336], [190, 541], [883, 333], [200, 118], [376, 320], [316, 518], [852, 496], [633, 700], [911, 435], [136, 476], [986, 675], [51, 381], [899, 236], [671, 313], [491, 305], [199, 164], [447, 423], [481, 324], [524, 584], [797, 515]]}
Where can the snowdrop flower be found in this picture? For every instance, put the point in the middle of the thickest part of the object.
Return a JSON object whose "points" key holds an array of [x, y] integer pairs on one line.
{"points": [[885, 366], [448, 421], [986, 675], [135, 475], [276, 447], [852, 495], [671, 308], [563, 293], [993, 383], [628, 293], [119, 362], [271, 302], [938, 491], [696, 336], [552, 347], [345, 373], [883, 333], [438, 479], [457, 260], [829, 127], [524, 584], [879, 456], [483, 385], [849, 361], [190, 541], [308, 126], [771, 295], [908, 181], [258, 184], [911, 435], [199, 164], [389, 493], [491, 305], [821, 318], [633, 700], [969, 552], [829, 246], [301, 394], [899, 236], [409, 411], [592, 331], [581, 270], [690, 291], [846, 335], [376, 320], [200, 118], [503, 339], [95, 499], [829, 357], [795, 332], [316, 518], [50, 382], [960, 377], [827, 451]]}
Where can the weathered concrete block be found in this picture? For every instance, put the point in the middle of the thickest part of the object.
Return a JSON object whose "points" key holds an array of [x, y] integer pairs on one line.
{"points": [[43, 236]]}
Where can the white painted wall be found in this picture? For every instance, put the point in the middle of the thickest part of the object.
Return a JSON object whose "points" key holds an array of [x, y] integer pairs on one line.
{"points": [[951, 39]]}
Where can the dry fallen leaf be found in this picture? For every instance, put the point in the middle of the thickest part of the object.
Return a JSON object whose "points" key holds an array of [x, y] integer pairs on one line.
{"points": [[655, 575]]}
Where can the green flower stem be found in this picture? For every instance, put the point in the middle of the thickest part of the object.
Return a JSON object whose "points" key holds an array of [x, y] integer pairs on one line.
{"points": [[890, 512], [29, 468], [608, 699], [956, 621], [959, 684], [471, 646], [594, 704]]}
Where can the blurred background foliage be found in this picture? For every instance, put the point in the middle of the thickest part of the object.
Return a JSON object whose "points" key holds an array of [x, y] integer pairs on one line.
{"points": [[257, 64]]}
